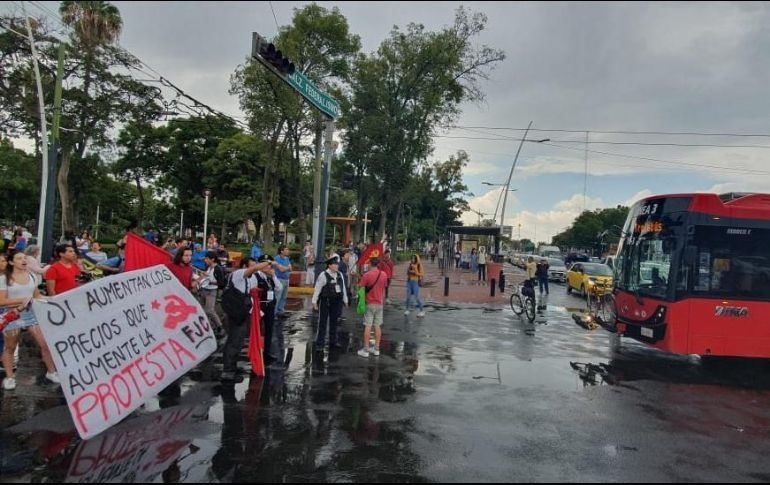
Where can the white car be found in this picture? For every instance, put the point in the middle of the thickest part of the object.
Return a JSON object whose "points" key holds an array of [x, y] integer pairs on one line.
{"points": [[556, 270]]}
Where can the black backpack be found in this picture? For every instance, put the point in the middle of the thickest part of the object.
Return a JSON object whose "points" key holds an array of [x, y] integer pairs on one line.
{"points": [[221, 276]]}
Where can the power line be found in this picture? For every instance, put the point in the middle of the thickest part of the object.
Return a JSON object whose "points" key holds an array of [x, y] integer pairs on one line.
{"points": [[161, 79], [690, 145], [618, 132], [277, 28]]}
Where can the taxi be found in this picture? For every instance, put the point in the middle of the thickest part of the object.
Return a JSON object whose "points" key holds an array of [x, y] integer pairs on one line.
{"points": [[593, 277]]}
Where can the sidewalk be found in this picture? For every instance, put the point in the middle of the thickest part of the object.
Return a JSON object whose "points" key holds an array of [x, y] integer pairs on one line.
{"points": [[464, 286]]}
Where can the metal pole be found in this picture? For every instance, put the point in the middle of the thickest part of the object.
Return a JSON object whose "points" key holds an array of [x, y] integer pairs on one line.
{"points": [[328, 151], [181, 225], [508, 183], [96, 232], [317, 184], [44, 134], [366, 216], [205, 219], [585, 173]]}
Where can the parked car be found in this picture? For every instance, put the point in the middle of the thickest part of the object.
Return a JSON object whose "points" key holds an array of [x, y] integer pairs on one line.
{"points": [[582, 276], [557, 271]]}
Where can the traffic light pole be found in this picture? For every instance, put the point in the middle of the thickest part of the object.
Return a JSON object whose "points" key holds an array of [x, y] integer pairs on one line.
{"points": [[320, 257]]}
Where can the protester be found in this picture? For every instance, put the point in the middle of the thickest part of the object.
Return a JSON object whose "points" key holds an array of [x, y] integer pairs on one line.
{"points": [[330, 294], [33, 263], [414, 275], [282, 266], [181, 243], [84, 242], [209, 286], [18, 287], [212, 242], [271, 286], [374, 282], [243, 280], [458, 256], [182, 269], [63, 274], [19, 241], [96, 254], [387, 266], [474, 261]]}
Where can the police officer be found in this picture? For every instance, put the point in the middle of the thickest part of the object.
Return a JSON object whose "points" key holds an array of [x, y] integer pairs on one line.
{"points": [[330, 294], [271, 287]]}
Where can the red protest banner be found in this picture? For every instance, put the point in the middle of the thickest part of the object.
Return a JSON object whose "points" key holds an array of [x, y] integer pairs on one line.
{"points": [[372, 251], [256, 345], [142, 254]]}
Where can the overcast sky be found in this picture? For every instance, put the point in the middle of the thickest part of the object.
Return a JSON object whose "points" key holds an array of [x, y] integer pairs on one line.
{"points": [[697, 67]]}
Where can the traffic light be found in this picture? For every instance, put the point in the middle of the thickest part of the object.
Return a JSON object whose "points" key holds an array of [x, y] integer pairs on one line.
{"points": [[347, 181], [265, 51]]}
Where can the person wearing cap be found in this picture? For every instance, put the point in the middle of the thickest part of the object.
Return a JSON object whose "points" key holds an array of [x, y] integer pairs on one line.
{"points": [[374, 283], [282, 265], [243, 280], [329, 296], [271, 287]]}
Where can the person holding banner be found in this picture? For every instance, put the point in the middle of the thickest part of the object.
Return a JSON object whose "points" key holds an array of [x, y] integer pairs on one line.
{"points": [[271, 286], [17, 288], [243, 280]]}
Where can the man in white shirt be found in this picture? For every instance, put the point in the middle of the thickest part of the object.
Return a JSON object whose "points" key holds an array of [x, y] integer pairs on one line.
{"points": [[330, 294], [243, 280], [209, 287]]}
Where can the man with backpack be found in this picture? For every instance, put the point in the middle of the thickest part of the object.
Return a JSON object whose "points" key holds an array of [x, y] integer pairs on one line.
{"points": [[374, 282], [216, 279], [330, 294]]}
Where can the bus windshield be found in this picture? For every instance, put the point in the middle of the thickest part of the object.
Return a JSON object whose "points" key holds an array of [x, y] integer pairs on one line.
{"points": [[650, 264]]}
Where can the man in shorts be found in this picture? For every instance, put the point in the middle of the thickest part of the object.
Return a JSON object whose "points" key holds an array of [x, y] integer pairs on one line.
{"points": [[374, 281]]}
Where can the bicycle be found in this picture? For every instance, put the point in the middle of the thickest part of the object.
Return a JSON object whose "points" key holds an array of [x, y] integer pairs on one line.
{"points": [[523, 300], [601, 303]]}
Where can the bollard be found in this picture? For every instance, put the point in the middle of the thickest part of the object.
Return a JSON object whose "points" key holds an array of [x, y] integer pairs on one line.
{"points": [[492, 287], [502, 282], [446, 286]]}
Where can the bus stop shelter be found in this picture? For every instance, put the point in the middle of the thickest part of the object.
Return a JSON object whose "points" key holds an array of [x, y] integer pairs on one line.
{"points": [[495, 257]]}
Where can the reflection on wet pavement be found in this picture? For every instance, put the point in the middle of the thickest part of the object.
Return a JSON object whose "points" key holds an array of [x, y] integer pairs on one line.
{"points": [[469, 393]]}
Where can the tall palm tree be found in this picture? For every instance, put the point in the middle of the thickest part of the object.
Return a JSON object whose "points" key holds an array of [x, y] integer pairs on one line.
{"points": [[95, 24]]}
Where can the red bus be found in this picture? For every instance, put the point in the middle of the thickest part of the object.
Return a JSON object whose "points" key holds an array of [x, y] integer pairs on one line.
{"points": [[693, 274]]}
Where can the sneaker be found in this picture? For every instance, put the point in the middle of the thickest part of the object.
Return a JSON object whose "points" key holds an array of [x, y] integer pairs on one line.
{"points": [[421, 314], [53, 377], [374, 351], [9, 383], [363, 353], [406, 312]]}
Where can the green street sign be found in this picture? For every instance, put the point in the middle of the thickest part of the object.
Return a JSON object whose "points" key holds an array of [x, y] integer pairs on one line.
{"points": [[315, 96], [266, 53]]}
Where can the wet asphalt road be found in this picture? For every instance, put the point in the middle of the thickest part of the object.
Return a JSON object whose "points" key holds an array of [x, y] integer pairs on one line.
{"points": [[465, 394]]}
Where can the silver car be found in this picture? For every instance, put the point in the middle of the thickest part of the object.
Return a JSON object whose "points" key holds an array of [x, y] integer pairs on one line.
{"points": [[556, 270]]}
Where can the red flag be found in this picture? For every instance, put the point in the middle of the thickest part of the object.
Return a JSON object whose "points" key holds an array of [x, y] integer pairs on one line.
{"points": [[142, 254], [255, 336], [372, 251]]}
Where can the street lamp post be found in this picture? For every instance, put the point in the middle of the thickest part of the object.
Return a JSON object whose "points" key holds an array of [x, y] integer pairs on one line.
{"points": [[207, 194], [497, 207], [515, 159]]}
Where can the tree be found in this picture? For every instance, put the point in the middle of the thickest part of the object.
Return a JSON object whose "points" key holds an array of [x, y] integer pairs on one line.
{"points": [[19, 184], [142, 159], [412, 87], [591, 229], [95, 95], [319, 43]]}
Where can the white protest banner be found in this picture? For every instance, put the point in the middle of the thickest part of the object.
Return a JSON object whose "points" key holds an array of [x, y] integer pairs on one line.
{"points": [[120, 340]]}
